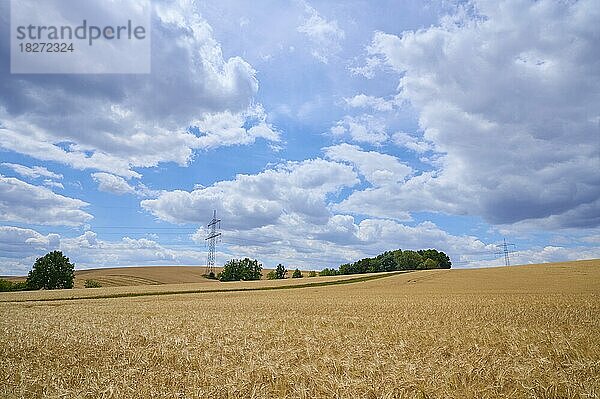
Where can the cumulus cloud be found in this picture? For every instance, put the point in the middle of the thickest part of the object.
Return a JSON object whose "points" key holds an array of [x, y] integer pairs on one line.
{"points": [[19, 247], [288, 212], [514, 115], [411, 142], [325, 35], [377, 168], [342, 238], [17, 242], [110, 183], [250, 201], [114, 123], [362, 129], [24, 202], [227, 128]]}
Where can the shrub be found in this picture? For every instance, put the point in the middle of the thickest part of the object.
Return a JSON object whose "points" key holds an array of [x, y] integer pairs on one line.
{"points": [[297, 274], [92, 284], [241, 269], [7, 285], [312, 273]]}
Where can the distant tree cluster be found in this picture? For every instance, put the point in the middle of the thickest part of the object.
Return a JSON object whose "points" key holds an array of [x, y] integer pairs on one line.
{"points": [[278, 273], [394, 260], [241, 269]]}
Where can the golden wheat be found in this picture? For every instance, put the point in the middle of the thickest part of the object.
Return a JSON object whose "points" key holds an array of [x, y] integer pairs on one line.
{"points": [[522, 332]]}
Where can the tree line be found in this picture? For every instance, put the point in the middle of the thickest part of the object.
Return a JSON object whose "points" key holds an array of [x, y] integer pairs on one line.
{"points": [[55, 271], [247, 269], [394, 260]]}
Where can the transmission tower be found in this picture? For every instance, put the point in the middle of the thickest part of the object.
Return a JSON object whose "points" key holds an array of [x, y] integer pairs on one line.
{"points": [[505, 249], [213, 235]]}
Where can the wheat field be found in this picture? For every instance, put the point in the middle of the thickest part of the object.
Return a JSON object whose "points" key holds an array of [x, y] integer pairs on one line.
{"points": [[519, 332]]}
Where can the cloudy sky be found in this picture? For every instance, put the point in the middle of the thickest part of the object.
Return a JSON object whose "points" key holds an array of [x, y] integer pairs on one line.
{"points": [[321, 132]]}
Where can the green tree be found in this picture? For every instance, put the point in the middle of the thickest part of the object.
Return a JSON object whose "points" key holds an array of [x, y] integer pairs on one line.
{"points": [[51, 271], [312, 273], [328, 272], [297, 274], [271, 275], [280, 272], [241, 269], [429, 264], [442, 260], [409, 260]]}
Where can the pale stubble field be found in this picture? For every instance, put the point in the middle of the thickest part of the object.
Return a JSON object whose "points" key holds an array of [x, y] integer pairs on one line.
{"points": [[522, 332]]}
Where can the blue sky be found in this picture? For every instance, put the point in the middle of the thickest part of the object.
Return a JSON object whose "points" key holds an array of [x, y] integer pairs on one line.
{"points": [[321, 132]]}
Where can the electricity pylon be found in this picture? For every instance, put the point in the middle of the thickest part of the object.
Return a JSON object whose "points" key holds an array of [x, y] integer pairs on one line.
{"points": [[505, 249], [213, 235]]}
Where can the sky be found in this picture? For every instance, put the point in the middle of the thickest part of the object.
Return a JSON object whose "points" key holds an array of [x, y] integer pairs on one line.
{"points": [[321, 132]]}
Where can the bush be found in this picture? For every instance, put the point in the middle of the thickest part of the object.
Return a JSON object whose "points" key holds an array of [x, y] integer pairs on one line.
{"points": [[241, 269], [312, 273], [271, 275], [297, 274], [210, 276], [92, 284], [7, 285], [51, 271]]}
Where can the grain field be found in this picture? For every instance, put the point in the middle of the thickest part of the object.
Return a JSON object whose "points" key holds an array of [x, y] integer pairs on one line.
{"points": [[520, 332]]}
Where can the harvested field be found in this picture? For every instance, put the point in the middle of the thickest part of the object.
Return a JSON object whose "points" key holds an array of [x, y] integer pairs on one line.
{"points": [[518, 332]]}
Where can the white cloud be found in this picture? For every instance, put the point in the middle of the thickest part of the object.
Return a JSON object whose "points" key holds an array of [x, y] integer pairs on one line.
{"points": [[251, 201], [112, 184], [372, 64], [227, 128], [342, 239], [377, 168], [325, 35], [32, 172], [515, 115], [376, 103], [117, 185], [20, 247], [412, 143], [52, 183], [116, 123], [88, 251], [363, 129], [23, 202], [545, 254], [16, 242]]}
